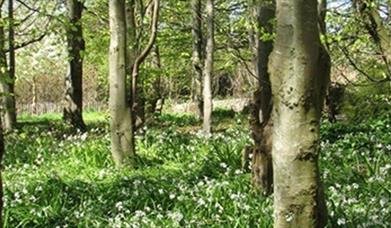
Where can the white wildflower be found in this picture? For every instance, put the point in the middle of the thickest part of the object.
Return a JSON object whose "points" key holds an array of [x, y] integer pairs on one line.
{"points": [[223, 165], [200, 202], [139, 213], [341, 221], [119, 206]]}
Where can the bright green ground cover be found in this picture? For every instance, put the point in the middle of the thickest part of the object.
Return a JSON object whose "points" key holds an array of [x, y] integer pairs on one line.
{"points": [[54, 178]]}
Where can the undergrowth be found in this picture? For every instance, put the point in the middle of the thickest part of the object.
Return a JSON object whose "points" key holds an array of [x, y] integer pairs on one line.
{"points": [[57, 178]]}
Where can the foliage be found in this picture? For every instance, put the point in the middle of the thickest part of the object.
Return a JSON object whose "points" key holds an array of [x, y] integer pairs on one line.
{"points": [[361, 102], [357, 172], [55, 178]]}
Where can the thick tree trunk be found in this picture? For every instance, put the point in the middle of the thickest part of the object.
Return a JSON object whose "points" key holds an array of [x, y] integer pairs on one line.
{"points": [[122, 138], [260, 121], [197, 58], [73, 103], [8, 86], [208, 70], [299, 75]]}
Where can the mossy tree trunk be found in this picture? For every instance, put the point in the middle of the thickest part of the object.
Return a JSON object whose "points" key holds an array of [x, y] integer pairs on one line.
{"points": [[299, 70], [2, 149], [197, 56], [8, 71], [260, 121], [73, 102]]}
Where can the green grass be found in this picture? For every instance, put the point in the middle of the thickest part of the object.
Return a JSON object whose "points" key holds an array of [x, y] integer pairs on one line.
{"points": [[56, 178]]}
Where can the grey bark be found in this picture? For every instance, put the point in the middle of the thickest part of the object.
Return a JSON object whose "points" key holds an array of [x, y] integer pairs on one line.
{"points": [[73, 102], [208, 69], [260, 121], [197, 56], [8, 85], [122, 138], [299, 75]]}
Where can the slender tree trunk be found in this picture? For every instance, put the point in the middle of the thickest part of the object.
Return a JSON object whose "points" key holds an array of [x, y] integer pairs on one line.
{"points": [[4, 72], [299, 76], [2, 149], [335, 91], [208, 70], [35, 95], [132, 53], [3, 80], [375, 27], [73, 103], [122, 138], [260, 121], [197, 57], [9, 84], [131, 38], [156, 94], [138, 100]]}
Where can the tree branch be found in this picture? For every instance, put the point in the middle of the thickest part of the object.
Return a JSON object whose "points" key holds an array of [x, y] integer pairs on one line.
{"points": [[27, 43], [140, 59]]}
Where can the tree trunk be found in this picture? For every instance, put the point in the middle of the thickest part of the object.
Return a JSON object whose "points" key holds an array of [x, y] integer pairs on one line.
{"points": [[138, 100], [35, 95], [299, 75], [260, 121], [376, 27], [156, 94], [73, 103], [208, 70], [197, 57], [122, 138], [8, 86], [1, 178]]}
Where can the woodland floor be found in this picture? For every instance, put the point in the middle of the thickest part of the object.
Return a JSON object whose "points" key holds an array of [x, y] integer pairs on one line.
{"points": [[55, 178]]}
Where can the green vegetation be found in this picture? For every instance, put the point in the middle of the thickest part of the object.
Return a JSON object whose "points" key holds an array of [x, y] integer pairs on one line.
{"points": [[57, 179]]}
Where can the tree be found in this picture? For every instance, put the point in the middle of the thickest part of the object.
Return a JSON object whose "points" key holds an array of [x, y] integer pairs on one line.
{"points": [[299, 76], [208, 68], [156, 93], [3, 79], [138, 55], [8, 84], [197, 56], [1, 179], [122, 138], [73, 105], [373, 21], [260, 121]]}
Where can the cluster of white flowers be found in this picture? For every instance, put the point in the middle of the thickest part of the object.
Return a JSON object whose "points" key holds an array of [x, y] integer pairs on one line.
{"points": [[176, 216]]}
